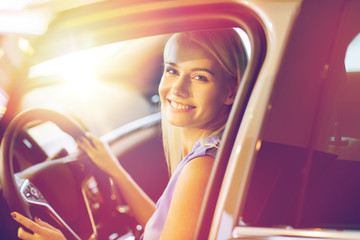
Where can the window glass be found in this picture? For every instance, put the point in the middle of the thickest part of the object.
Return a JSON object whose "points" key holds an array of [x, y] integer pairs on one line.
{"points": [[3, 101], [345, 139], [106, 86], [352, 57], [307, 171], [103, 88]]}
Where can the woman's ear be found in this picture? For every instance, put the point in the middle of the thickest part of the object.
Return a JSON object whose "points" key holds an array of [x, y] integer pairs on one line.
{"points": [[231, 94]]}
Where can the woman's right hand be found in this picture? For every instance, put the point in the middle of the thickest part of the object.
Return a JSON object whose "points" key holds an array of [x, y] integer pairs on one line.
{"points": [[41, 230], [100, 153]]}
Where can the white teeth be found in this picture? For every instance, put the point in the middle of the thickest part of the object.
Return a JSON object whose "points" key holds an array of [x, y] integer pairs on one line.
{"points": [[179, 106]]}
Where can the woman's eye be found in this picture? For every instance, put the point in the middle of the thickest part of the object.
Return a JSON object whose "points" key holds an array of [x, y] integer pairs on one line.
{"points": [[171, 71], [200, 78]]}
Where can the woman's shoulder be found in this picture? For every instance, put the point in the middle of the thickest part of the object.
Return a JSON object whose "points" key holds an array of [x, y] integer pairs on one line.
{"points": [[198, 166], [207, 146], [204, 149]]}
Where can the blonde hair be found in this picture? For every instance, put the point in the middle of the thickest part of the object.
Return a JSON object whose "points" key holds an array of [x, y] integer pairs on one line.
{"points": [[228, 49]]}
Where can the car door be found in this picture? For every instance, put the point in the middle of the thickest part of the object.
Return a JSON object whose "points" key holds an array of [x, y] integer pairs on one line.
{"points": [[300, 179]]}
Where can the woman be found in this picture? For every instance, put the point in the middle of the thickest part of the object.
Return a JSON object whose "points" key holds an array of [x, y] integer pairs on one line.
{"points": [[202, 71]]}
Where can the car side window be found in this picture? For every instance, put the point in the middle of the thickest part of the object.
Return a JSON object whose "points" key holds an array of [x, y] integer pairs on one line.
{"points": [[345, 141], [307, 171], [352, 57]]}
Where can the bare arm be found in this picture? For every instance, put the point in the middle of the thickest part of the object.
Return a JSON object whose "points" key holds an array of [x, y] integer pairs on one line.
{"points": [[186, 202], [100, 153]]}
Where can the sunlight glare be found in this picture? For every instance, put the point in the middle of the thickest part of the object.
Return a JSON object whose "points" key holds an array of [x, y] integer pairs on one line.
{"points": [[79, 78], [245, 38], [78, 69], [33, 21], [24, 46]]}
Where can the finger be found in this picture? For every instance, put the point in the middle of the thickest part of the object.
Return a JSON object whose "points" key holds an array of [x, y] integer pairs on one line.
{"points": [[84, 144], [22, 234], [87, 148], [89, 135], [92, 139], [29, 224], [44, 224]]}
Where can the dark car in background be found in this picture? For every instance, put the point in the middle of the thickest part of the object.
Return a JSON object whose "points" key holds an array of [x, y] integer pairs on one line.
{"points": [[289, 163]]}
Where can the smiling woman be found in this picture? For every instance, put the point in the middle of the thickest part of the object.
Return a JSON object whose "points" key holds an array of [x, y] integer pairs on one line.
{"points": [[203, 70], [109, 78], [286, 154], [193, 82]]}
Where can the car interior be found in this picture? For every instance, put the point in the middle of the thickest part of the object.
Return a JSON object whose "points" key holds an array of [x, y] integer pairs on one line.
{"points": [[44, 173], [304, 170]]}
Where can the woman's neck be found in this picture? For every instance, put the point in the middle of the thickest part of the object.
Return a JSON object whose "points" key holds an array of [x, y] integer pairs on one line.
{"points": [[189, 138]]}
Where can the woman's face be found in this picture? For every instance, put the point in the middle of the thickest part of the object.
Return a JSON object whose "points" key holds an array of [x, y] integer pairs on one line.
{"points": [[194, 90]]}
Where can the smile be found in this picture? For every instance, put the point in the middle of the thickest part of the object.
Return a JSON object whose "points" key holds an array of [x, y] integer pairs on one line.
{"points": [[179, 106]]}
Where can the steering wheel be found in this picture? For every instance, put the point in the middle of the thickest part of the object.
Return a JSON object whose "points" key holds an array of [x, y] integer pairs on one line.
{"points": [[21, 193]]}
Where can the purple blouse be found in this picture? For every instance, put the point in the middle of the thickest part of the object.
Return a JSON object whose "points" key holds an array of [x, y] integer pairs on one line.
{"points": [[156, 223]]}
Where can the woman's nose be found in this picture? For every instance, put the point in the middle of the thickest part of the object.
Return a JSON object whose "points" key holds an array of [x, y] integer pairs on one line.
{"points": [[180, 87]]}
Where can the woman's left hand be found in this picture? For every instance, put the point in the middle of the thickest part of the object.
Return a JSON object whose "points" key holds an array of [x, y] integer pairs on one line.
{"points": [[41, 230], [100, 153]]}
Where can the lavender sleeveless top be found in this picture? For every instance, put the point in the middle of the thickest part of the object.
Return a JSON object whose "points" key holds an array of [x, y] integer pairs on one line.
{"points": [[156, 223]]}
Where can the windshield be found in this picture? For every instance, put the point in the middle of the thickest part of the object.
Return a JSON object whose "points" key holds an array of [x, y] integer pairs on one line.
{"points": [[95, 85]]}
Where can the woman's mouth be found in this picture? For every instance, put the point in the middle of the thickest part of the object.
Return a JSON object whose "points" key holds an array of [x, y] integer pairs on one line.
{"points": [[179, 106]]}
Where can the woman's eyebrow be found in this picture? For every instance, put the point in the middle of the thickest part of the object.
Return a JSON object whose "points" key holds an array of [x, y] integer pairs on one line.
{"points": [[204, 70], [193, 69], [170, 63]]}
